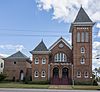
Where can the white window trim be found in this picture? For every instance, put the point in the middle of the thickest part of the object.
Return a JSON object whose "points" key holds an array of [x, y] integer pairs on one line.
{"points": [[78, 74], [36, 59], [85, 75], [58, 57], [82, 62], [82, 51], [83, 37], [78, 36], [86, 37], [42, 74], [43, 60], [35, 74]]}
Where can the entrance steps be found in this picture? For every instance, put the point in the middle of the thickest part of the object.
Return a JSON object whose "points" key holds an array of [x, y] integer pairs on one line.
{"points": [[60, 81]]}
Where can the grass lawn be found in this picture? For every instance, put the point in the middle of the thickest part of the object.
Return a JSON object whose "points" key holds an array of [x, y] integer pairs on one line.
{"points": [[67, 87], [19, 85], [85, 87], [76, 87]]}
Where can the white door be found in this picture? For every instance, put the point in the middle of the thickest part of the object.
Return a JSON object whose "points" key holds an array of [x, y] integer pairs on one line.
{"points": [[22, 76]]}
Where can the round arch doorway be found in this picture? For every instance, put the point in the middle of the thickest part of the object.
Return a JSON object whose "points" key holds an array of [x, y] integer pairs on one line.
{"points": [[21, 75], [56, 72], [65, 72]]}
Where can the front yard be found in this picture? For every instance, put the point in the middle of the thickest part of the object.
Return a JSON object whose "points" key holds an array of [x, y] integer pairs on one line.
{"points": [[20, 85], [67, 87]]}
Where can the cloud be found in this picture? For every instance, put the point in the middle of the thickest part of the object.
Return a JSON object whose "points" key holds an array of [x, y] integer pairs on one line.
{"points": [[66, 10], [98, 25], [96, 49], [98, 28], [4, 55], [12, 47], [96, 54]]}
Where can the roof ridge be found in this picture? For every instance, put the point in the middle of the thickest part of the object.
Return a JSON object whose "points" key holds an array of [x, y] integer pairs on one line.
{"points": [[61, 38]]}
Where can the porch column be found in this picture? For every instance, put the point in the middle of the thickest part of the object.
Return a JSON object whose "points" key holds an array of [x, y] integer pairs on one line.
{"points": [[60, 72], [51, 72]]}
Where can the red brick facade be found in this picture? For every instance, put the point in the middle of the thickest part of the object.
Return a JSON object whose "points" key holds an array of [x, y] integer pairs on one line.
{"points": [[65, 63], [40, 67], [17, 67]]}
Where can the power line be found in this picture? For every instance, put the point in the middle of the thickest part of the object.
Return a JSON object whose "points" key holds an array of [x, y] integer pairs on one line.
{"points": [[28, 30], [32, 35]]}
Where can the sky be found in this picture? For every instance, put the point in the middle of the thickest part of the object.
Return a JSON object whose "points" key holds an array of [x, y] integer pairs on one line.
{"points": [[24, 23]]}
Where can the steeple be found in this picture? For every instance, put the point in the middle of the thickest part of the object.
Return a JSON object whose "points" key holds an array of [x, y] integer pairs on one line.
{"points": [[82, 16], [82, 19]]}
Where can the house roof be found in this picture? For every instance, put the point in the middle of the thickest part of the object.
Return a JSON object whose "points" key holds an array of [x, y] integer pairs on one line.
{"points": [[41, 47], [60, 39], [17, 55], [82, 16]]}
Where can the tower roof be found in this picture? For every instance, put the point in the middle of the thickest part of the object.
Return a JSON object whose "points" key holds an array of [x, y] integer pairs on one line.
{"points": [[82, 16], [82, 19], [41, 47]]}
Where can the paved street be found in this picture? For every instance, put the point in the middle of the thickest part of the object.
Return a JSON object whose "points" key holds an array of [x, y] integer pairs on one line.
{"points": [[42, 90]]}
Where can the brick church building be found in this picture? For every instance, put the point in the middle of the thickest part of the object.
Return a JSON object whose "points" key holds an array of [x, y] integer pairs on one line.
{"points": [[63, 63]]}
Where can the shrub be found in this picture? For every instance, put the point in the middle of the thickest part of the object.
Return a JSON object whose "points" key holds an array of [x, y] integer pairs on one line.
{"points": [[83, 83], [2, 77], [95, 82], [37, 82]]}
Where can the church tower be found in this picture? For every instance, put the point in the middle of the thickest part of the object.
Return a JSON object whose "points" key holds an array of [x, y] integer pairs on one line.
{"points": [[81, 30]]}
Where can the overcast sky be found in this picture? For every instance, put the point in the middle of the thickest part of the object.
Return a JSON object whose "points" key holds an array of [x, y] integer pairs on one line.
{"points": [[24, 23]]}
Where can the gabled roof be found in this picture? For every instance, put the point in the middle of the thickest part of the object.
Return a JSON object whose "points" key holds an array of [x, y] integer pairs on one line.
{"points": [[59, 40], [17, 55], [40, 48], [82, 16]]}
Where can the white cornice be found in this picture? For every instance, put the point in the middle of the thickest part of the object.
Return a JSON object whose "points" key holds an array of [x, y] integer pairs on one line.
{"points": [[41, 52]]}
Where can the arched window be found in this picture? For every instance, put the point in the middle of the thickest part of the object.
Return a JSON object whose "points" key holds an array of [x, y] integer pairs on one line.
{"points": [[82, 37], [86, 36], [86, 74], [82, 50], [60, 57], [36, 74], [36, 60], [43, 74], [78, 74], [43, 60], [78, 36], [82, 60]]}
